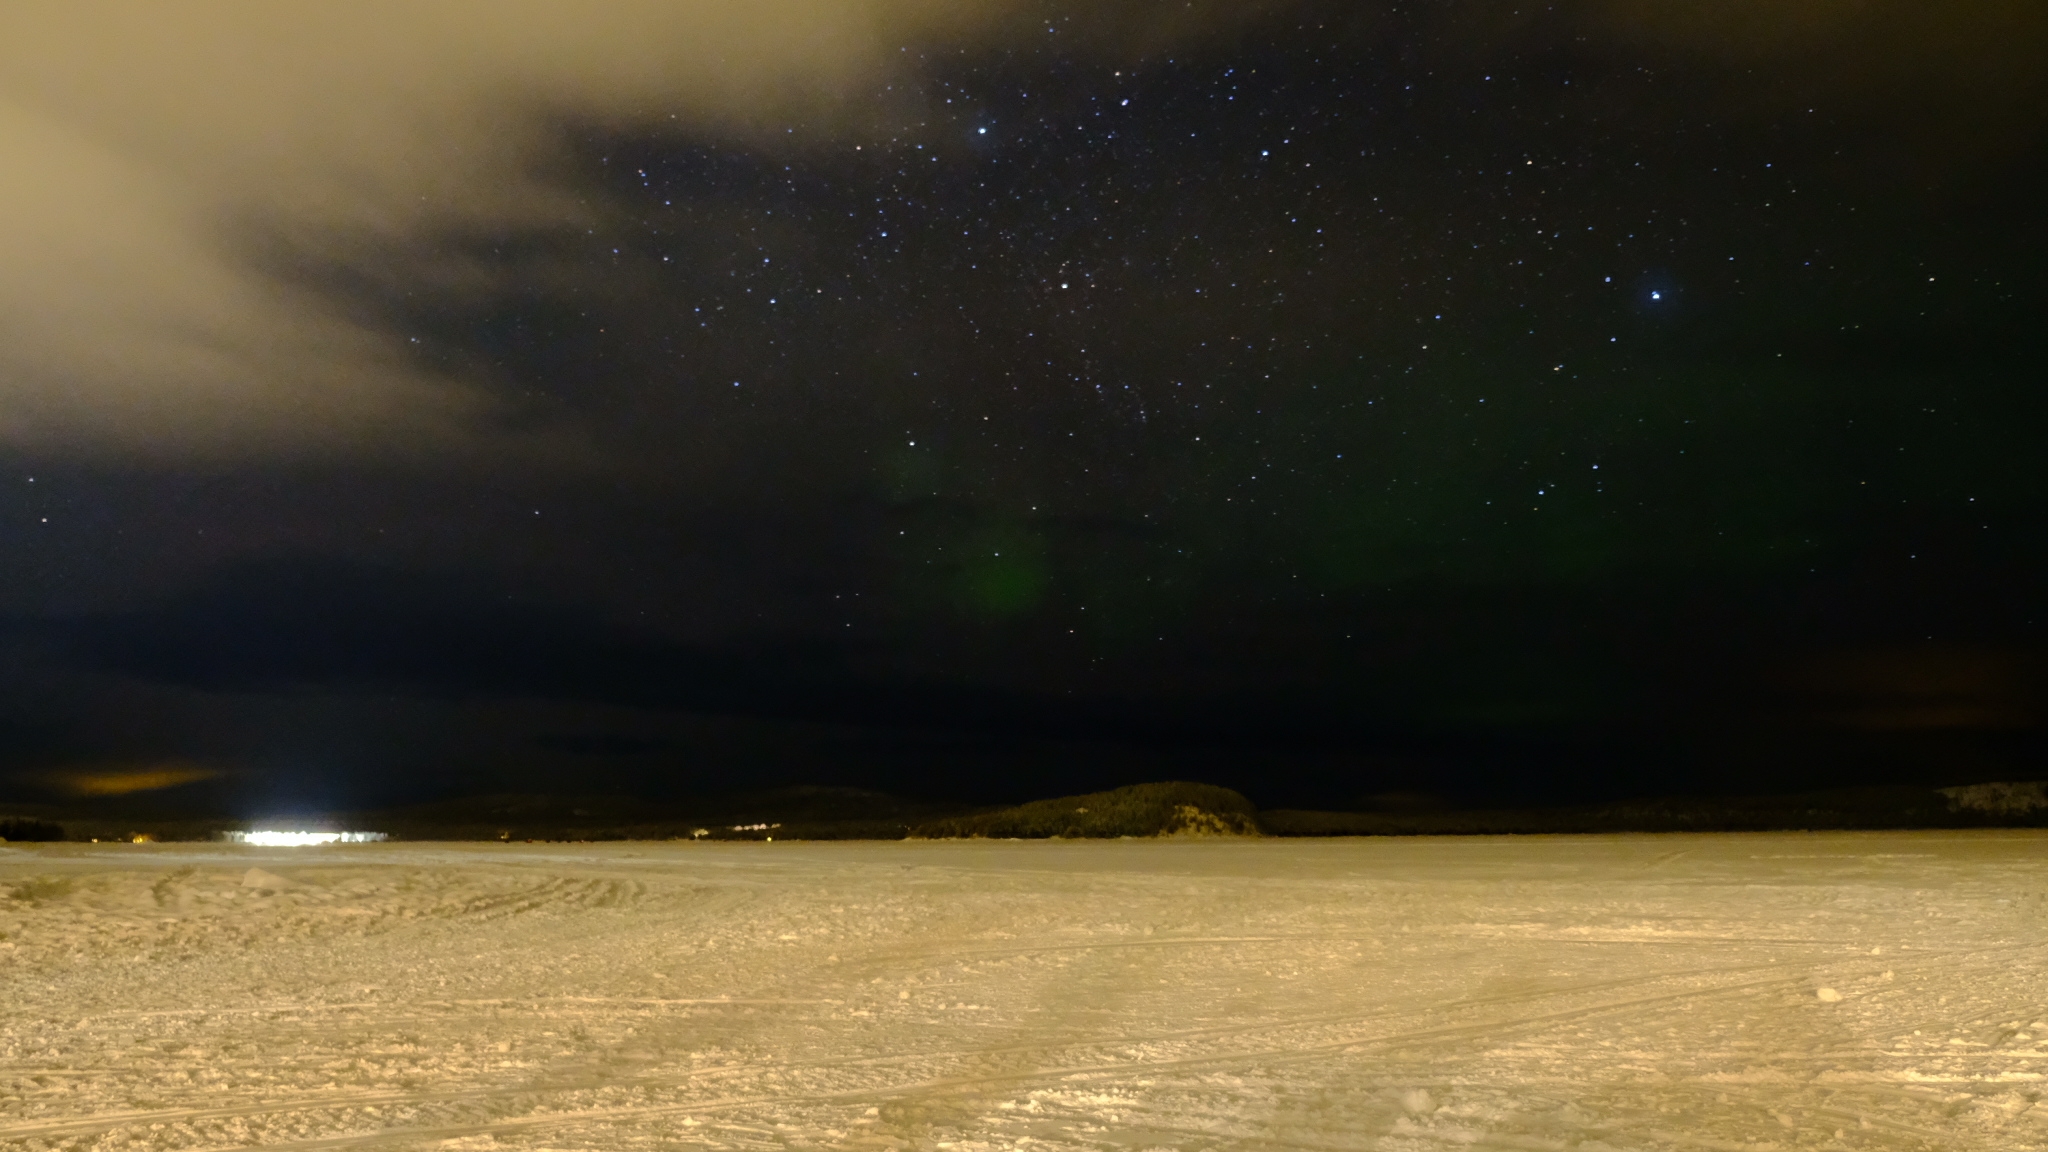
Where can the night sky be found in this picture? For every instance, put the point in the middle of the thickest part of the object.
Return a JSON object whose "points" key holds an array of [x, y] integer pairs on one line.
{"points": [[1521, 403]]}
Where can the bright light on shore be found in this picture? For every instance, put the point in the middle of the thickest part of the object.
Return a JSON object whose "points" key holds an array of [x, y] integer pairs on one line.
{"points": [[272, 839]]}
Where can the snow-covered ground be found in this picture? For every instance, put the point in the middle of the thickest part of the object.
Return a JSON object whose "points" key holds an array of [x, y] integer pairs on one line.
{"points": [[1621, 992]]}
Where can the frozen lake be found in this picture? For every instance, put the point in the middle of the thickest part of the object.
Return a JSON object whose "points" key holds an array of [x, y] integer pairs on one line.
{"points": [[1853, 990]]}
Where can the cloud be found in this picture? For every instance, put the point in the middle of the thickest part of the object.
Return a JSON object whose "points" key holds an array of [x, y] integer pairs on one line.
{"points": [[1961, 38], [1958, 78], [146, 148], [121, 324]]}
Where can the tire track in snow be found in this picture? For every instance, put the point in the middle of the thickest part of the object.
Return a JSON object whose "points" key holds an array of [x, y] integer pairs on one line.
{"points": [[941, 1085], [84, 1125]]}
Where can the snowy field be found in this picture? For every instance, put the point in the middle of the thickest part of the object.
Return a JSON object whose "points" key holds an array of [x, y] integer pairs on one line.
{"points": [[1854, 991]]}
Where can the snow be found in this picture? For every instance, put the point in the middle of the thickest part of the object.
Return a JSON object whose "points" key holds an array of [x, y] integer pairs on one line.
{"points": [[1617, 992]]}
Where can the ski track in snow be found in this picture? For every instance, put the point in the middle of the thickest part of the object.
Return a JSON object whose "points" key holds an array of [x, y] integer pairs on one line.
{"points": [[1590, 993]]}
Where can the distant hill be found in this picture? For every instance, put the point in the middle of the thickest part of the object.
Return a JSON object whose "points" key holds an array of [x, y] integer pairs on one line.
{"points": [[1169, 809]]}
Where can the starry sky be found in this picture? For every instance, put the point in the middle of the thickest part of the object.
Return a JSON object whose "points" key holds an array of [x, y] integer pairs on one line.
{"points": [[1520, 403]]}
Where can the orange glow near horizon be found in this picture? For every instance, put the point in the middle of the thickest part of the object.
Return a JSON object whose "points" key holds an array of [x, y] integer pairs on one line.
{"points": [[122, 782]]}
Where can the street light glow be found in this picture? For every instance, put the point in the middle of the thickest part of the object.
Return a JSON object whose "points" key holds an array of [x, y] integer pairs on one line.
{"points": [[269, 838]]}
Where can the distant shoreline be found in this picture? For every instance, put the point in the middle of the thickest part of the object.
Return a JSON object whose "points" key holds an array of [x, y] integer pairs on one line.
{"points": [[1169, 809]]}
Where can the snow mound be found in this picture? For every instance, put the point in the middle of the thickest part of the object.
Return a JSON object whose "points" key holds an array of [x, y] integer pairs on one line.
{"points": [[258, 878]]}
